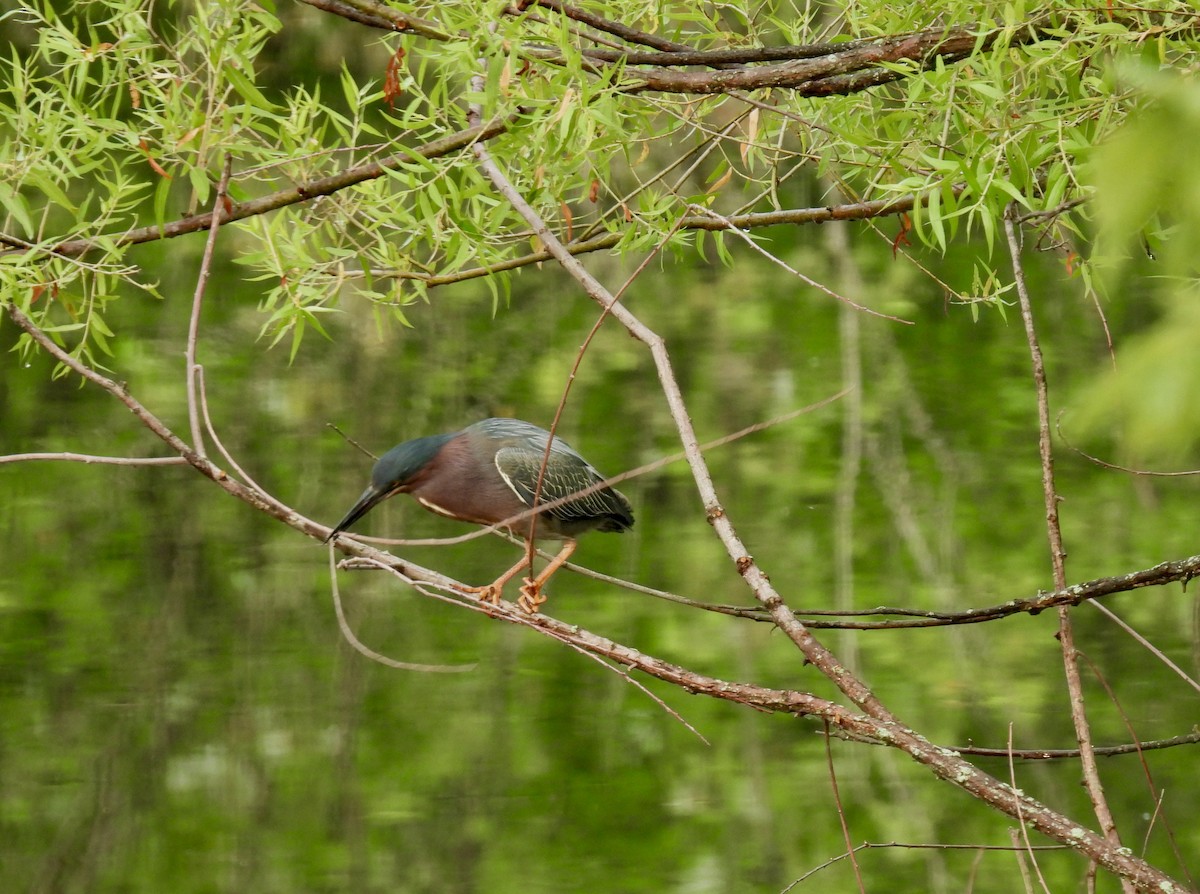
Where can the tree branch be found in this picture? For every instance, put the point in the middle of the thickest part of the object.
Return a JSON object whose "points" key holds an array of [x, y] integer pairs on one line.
{"points": [[1066, 636], [88, 459], [322, 186], [378, 15]]}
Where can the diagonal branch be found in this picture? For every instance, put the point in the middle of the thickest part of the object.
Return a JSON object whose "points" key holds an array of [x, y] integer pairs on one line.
{"points": [[942, 762], [302, 192], [813, 651]]}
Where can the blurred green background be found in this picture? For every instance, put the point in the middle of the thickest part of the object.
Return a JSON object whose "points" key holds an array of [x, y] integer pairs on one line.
{"points": [[179, 712]]}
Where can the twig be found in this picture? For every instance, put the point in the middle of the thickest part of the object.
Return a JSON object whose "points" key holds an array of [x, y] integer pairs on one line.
{"points": [[1087, 758], [370, 653], [607, 26], [623, 674], [749, 221], [89, 458], [219, 201], [212, 433], [353, 443], [1020, 835], [370, 12], [1184, 473], [1155, 792], [1149, 646], [538, 623], [779, 262], [841, 813], [1059, 754]]}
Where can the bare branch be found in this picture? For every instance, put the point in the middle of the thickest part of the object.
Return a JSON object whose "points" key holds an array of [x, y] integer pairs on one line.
{"points": [[370, 653], [841, 812], [89, 458], [779, 262], [1059, 754], [1066, 637], [214, 225], [1182, 473], [1149, 646], [616, 29], [378, 15]]}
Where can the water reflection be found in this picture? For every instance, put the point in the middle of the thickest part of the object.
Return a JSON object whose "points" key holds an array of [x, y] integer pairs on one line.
{"points": [[180, 712]]}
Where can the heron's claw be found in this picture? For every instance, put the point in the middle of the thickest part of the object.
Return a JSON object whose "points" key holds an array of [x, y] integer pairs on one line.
{"points": [[531, 596]]}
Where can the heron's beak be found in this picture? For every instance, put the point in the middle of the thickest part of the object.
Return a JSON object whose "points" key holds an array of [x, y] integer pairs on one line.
{"points": [[370, 498]]}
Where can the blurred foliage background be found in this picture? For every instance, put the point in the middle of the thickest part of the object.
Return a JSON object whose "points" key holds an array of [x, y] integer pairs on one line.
{"points": [[177, 707]]}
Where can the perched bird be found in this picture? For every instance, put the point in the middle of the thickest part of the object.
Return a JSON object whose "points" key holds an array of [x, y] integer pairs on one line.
{"points": [[488, 473]]}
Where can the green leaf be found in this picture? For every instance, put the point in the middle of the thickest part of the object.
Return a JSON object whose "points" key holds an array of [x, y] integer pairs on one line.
{"points": [[15, 205]]}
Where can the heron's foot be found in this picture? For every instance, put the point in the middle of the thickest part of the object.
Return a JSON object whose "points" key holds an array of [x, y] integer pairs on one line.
{"points": [[490, 593], [531, 596]]}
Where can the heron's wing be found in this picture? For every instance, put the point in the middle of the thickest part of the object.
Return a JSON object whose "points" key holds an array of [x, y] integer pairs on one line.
{"points": [[566, 473]]}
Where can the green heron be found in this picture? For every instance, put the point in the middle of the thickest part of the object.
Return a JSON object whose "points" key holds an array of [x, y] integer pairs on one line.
{"points": [[488, 473]]}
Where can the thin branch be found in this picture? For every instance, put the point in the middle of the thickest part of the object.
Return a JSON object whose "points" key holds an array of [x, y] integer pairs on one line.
{"points": [[779, 262], [608, 26], [378, 15], [624, 675], [370, 653], [302, 192], [918, 846], [1066, 636], [214, 224], [1149, 646], [1155, 791], [1183, 473], [212, 433], [90, 458], [1021, 833], [755, 220], [1060, 754], [841, 813], [815, 619], [509, 612]]}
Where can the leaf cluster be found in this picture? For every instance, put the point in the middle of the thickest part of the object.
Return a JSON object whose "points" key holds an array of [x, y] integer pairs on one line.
{"points": [[121, 114]]}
